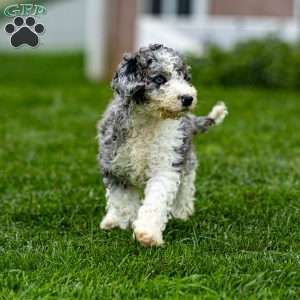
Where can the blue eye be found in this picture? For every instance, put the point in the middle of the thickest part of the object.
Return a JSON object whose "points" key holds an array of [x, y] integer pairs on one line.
{"points": [[187, 77], [159, 79]]}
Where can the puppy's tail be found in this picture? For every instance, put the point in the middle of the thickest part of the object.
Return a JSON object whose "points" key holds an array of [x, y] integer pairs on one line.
{"points": [[215, 117]]}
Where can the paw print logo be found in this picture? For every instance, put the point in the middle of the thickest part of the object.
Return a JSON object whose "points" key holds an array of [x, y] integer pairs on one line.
{"points": [[24, 32]]}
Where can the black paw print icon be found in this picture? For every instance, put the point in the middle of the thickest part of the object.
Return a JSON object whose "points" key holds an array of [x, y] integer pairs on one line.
{"points": [[24, 32]]}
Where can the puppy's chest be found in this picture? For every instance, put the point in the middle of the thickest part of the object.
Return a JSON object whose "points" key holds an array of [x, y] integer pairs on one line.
{"points": [[150, 147]]}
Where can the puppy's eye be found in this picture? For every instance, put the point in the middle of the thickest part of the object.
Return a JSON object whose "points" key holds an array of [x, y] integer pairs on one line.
{"points": [[187, 77], [159, 79]]}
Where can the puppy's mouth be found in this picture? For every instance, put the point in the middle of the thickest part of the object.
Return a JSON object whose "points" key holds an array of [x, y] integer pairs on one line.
{"points": [[168, 114]]}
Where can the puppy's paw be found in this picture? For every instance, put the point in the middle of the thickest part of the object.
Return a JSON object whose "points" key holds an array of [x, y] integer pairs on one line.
{"points": [[111, 221], [183, 214], [218, 113], [147, 237]]}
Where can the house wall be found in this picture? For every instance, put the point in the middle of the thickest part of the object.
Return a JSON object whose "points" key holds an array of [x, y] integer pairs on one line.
{"points": [[271, 8], [223, 22]]}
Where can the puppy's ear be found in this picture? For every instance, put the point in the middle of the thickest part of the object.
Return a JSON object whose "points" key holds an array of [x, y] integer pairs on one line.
{"points": [[128, 80]]}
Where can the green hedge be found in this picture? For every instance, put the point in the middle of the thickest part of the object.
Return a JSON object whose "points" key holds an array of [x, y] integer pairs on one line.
{"points": [[268, 63]]}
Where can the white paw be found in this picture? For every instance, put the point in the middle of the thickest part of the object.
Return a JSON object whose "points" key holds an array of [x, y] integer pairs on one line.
{"points": [[112, 221], [219, 112], [182, 214], [183, 211], [147, 237]]}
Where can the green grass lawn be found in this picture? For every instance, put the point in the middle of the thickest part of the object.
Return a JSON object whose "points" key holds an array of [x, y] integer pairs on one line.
{"points": [[243, 242]]}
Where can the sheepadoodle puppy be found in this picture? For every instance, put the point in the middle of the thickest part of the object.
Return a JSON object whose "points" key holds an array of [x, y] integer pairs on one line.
{"points": [[145, 137]]}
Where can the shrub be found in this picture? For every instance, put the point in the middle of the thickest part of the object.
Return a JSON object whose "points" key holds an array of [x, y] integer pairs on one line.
{"points": [[268, 63]]}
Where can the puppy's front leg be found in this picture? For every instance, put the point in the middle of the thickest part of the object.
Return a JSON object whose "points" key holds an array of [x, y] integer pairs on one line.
{"points": [[215, 117], [153, 215]]}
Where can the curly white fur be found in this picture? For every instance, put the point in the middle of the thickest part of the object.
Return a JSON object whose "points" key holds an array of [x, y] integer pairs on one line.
{"points": [[183, 206], [162, 187], [122, 206]]}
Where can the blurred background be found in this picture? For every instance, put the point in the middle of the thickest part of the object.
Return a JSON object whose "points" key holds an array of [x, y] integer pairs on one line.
{"points": [[103, 30]]}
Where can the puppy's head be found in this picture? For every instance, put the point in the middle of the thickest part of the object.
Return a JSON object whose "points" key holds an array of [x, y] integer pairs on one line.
{"points": [[157, 79]]}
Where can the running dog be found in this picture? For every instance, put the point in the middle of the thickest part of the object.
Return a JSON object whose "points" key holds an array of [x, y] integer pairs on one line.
{"points": [[145, 137]]}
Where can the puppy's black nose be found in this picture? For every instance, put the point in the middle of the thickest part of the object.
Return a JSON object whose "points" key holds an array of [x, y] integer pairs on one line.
{"points": [[186, 100]]}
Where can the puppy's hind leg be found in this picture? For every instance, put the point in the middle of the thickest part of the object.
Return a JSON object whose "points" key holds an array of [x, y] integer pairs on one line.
{"points": [[183, 206], [122, 206]]}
